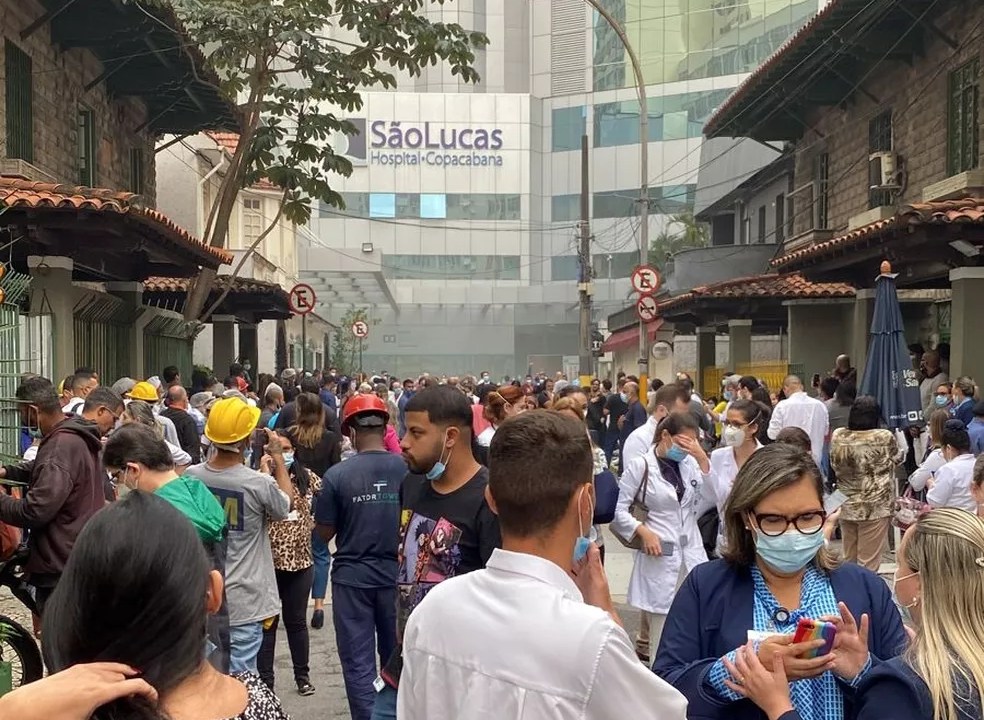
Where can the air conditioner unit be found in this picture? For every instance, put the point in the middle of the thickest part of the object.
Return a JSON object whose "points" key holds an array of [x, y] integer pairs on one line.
{"points": [[883, 170]]}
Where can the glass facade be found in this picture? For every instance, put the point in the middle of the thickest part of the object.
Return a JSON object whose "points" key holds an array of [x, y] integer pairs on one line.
{"points": [[673, 117], [686, 39], [611, 265], [438, 206], [568, 126], [451, 267], [665, 200]]}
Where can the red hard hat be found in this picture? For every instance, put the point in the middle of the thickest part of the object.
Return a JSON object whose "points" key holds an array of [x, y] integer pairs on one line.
{"points": [[364, 405]]}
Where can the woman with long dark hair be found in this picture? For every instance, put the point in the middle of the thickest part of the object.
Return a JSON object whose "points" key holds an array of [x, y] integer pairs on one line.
{"points": [[137, 590], [317, 449], [290, 541]]}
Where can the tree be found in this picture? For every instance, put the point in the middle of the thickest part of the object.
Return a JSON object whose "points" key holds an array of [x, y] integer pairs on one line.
{"points": [[294, 64], [346, 348], [682, 232]]}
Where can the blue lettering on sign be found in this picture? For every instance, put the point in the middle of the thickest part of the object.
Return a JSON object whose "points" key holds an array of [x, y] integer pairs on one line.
{"points": [[393, 136], [436, 159], [233, 502]]}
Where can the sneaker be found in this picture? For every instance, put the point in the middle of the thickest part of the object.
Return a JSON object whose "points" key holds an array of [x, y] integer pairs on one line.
{"points": [[318, 619], [305, 688]]}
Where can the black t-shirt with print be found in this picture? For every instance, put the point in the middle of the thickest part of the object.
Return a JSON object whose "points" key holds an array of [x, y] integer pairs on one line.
{"points": [[441, 536]]}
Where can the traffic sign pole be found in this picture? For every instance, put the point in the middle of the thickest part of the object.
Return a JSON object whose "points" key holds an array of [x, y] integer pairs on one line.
{"points": [[303, 343]]}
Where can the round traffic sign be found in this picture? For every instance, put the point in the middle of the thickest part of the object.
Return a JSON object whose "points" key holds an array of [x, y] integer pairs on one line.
{"points": [[360, 329], [302, 299], [647, 308], [646, 280]]}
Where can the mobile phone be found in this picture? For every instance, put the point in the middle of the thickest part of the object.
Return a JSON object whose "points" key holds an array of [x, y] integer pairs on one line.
{"points": [[668, 547], [808, 630], [833, 501]]}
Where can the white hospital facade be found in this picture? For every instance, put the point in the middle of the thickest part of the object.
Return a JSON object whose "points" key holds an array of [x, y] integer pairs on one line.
{"points": [[459, 233]]}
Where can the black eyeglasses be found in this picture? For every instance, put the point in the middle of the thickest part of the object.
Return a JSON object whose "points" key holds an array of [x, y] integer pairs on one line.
{"points": [[808, 523]]}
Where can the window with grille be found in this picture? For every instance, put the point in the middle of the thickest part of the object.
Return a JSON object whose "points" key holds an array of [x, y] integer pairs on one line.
{"points": [[880, 140], [252, 220], [87, 147], [138, 181], [821, 180], [761, 225], [19, 102], [962, 132]]}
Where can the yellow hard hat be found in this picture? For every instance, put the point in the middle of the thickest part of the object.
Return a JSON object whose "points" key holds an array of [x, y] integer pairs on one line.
{"points": [[230, 421], [144, 391]]}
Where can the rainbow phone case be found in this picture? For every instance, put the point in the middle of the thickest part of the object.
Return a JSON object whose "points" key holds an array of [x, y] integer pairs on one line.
{"points": [[808, 630]]}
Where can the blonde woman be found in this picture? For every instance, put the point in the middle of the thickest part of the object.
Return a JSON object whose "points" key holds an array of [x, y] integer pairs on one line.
{"points": [[141, 413], [940, 581]]}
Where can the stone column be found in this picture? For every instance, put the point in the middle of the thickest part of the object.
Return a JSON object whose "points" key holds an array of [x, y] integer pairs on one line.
{"points": [[817, 329], [706, 355], [53, 294], [223, 344], [864, 311], [739, 343], [966, 338], [132, 293]]}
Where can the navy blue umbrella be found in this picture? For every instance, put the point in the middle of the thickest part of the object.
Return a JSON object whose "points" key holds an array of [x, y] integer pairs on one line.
{"points": [[888, 374]]}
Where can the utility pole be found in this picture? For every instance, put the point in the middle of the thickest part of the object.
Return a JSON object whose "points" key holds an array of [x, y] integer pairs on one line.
{"points": [[586, 359]]}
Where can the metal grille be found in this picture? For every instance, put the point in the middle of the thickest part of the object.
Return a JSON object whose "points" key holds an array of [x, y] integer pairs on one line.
{"points": [[962, 118], [167, 341], [104, 335], [568, 47], [20, 102], [15, 286]]}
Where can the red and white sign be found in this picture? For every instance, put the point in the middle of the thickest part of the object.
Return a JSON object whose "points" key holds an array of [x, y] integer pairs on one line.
{"points": [[360, 329], [647, 308], [645, 280], [302, 299]]}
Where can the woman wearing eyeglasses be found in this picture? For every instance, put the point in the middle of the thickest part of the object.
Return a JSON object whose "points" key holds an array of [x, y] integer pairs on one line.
{"points": [[776, 570]]}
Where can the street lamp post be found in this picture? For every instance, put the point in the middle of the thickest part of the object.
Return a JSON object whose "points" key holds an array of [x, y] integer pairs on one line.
{"points": [[644, 173]]}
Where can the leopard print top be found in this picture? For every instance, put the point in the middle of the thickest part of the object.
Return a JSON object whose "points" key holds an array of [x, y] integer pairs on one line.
{"points": [[290, 539]]}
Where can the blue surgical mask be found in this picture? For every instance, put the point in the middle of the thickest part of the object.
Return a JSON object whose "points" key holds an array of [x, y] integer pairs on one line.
{"points": [[676, 453], [728, 395], [625, 398], [441, 465], [288, 459], [790, 552], [942, 400], [583, 542]]}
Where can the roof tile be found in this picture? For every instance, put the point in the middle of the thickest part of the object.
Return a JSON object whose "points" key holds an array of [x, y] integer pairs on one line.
{"points": [[785, 287], [19, 193], [239, 284], [939, 212]]}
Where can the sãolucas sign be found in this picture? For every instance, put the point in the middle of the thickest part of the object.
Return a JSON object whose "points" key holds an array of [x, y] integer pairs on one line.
{"points": [[396, 143]]}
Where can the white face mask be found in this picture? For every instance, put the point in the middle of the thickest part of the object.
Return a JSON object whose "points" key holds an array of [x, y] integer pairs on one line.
{"points": [[732, 436]]}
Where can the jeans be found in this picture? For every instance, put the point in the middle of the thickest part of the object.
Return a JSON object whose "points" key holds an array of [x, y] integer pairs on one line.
{"points": [[385, 707], [322, 563], [244, 646], [365, 622], [294, 589]]}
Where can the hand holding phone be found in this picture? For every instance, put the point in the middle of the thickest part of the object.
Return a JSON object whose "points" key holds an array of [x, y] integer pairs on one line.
{"points": [[809, 630]]}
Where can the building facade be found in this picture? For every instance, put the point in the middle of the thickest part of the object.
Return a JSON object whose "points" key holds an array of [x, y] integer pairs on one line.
{"points": [[466, 199]]}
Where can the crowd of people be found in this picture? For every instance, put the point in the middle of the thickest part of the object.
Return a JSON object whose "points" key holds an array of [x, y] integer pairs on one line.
{"points": [[171, 531]]}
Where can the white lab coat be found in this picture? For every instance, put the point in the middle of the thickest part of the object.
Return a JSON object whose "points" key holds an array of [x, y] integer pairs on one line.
{"points": [[653, 583]]}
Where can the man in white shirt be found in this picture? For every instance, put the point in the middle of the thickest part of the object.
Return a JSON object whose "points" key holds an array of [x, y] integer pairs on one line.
{"points": [[533, 635], [83, 383], [802, 411], [668, 399]]}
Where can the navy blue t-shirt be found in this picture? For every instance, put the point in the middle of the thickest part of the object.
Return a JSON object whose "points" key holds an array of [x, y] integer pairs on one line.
{"points": [[360, 498], [635, 418]]}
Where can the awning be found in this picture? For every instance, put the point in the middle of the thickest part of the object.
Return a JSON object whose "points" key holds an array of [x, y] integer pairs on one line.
{"points": [[629, 337]]}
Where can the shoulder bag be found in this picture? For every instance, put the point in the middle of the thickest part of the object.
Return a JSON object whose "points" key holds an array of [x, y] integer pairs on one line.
{"points": [[639, 510]]}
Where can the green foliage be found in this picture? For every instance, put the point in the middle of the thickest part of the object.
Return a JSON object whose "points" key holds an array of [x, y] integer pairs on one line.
{"points": [[683, 232], [299, 66], [345, 346]]}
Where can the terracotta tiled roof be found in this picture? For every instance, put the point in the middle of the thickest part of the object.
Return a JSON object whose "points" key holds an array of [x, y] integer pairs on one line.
{"points": [[784, 287], [239, 284], [762, 71], [230, 143], [17, 193], [940, 212]]}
